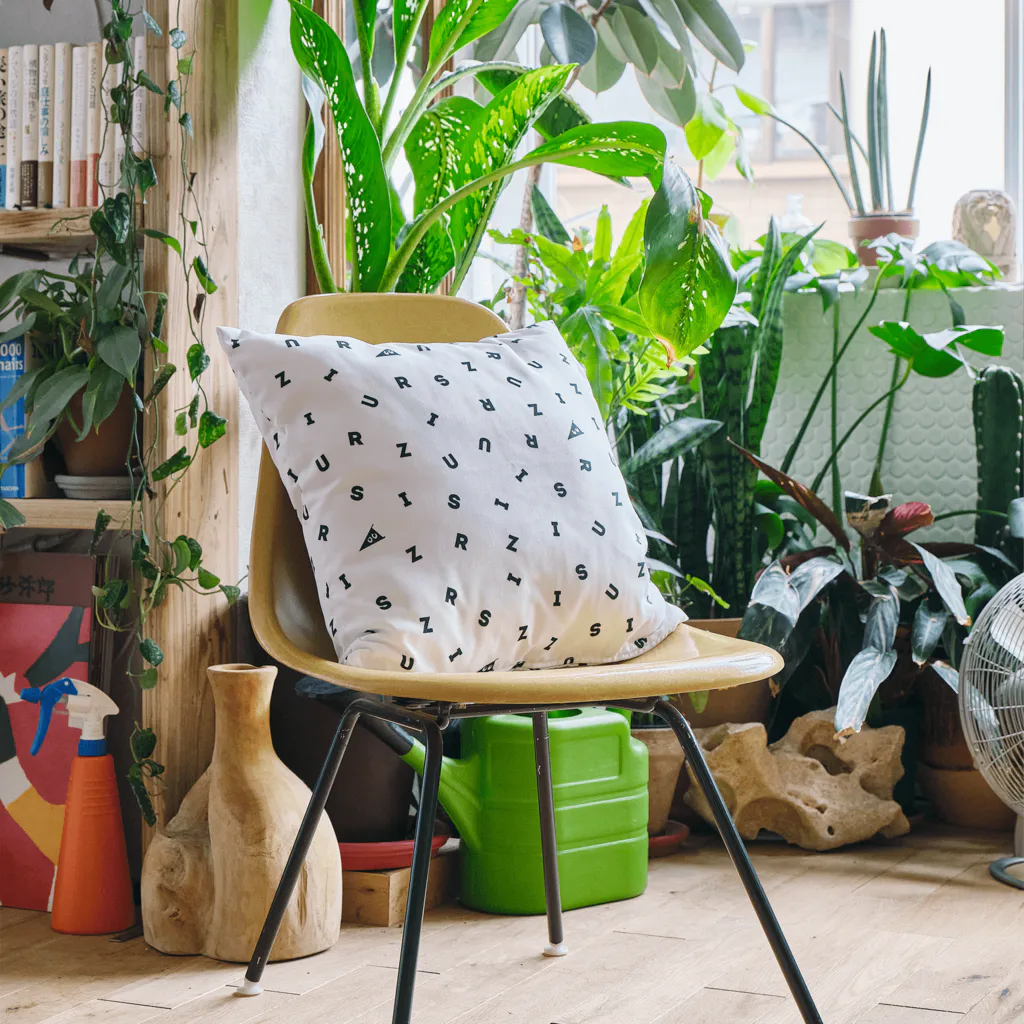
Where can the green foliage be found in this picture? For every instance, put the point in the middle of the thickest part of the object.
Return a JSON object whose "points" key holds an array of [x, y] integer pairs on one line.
{"points": [[998, 430], [461, 153], [90, 331]]}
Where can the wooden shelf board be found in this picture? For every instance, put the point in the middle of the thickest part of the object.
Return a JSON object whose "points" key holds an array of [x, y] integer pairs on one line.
{"points": [[45, 229], [69, 513]]}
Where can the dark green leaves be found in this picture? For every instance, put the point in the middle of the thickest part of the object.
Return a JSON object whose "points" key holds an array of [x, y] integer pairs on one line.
{"points": [[162, 379], [937, 355], [675, 439], [711, 25], [198, 360], [209, 285], [175, 464], [10, 517], [119, 347], [688, 284], [54, 393], [150, 650], [321, 55], [570, 37], [926, 632], [211, 428], [618, 149]]}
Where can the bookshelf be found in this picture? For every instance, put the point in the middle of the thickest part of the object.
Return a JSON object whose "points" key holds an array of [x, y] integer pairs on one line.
{"points": [[45, 230], [69, 514], [194, 630]]}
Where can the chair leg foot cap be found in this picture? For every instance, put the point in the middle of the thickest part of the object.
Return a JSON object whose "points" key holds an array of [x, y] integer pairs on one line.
{"points": [[560, 950], [249, 988]]}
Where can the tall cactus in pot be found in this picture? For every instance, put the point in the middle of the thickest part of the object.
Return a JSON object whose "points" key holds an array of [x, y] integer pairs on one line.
{"points": [[999, 438]]}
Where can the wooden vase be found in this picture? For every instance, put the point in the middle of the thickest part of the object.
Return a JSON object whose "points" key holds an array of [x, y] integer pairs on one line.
{"points": [[209, 877]]}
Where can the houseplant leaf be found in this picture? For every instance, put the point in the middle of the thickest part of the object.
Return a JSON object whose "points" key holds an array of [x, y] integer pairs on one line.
{"points": [[570, 37], [321, 55], [926, 631], [865, 673], [946, 584], [119, 347], [676, 438], [688, 283], [711, 25], [54, 393]]}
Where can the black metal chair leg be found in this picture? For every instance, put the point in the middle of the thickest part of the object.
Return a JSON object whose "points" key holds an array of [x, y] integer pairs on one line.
{"points": [[419, 875], [740, 860], [548, 838], [251, 986]]}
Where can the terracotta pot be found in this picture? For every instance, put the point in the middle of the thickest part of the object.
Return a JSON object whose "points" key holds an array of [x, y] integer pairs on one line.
{"points": [[872, 226], [666, 762], [962, 797], [103, 451], [750, 702]]}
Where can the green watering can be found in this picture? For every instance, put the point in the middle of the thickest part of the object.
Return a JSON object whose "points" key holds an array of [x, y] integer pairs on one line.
{"points": [[600, 790]]}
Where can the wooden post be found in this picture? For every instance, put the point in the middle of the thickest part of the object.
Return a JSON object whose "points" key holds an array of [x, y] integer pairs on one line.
{"points": [[192, 629]]}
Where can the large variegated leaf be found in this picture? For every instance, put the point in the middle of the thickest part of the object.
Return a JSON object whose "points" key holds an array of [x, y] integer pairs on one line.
{"points": [[433, 151], [868, 670], [321, 55], [688, 284], [462, 21], [561, 114], [405, 19], [499, 131]]}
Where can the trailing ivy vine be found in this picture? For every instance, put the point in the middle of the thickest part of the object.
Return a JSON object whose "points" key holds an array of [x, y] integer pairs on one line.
{"points": [[91, 329]]}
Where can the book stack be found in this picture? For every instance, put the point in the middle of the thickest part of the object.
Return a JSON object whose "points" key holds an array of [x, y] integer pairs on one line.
{"points": [[58, 145]]}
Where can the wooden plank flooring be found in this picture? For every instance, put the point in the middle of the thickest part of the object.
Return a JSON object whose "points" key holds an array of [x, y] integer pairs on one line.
{"points": [[912, 931]]}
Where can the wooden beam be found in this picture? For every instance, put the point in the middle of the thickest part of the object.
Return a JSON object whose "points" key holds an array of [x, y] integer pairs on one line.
{"points": [[193, 630]]}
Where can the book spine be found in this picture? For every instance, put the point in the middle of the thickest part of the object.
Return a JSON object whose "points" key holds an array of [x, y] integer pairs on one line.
{"points": [[3, 127], [93, 124], [139, 101], [61, 124], [13, 148], [45, 154], [29, 126], [77, 186], [107, 176], [12, 419]]}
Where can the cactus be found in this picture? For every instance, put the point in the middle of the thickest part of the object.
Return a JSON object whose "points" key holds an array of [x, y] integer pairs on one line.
{"points": [[999, 437]]}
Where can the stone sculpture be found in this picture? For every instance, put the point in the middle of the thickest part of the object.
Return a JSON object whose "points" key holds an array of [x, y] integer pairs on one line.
{"points": [[986, 221], [812, 789]]}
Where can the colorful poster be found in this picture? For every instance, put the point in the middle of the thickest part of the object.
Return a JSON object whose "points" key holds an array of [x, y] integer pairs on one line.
{"points": [[45, 633]]}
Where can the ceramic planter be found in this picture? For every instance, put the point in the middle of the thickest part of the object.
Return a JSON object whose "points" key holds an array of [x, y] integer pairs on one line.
{"points": [[104, 451], [872, 226], [750, 702], [665, 758]]}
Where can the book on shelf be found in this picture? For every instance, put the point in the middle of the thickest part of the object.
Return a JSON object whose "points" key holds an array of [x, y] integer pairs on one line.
{"points": [[29, 127], [44, 195], [3, 127], [61, 124], [59, 144], [12, 192], [93, 127], [27, 480], [78, 188]]}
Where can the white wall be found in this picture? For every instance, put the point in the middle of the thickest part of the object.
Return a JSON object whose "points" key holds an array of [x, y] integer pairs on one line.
{"points": [[271, 231]]}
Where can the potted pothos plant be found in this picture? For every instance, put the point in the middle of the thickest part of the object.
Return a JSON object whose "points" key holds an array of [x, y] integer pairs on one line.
{"points": [[91, 328]]}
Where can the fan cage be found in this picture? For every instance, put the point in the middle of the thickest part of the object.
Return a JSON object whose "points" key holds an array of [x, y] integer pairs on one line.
{"points": [[991, 693]]}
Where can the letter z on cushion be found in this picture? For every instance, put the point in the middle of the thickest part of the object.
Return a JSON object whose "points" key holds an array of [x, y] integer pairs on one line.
{"points": [[460, 502]]}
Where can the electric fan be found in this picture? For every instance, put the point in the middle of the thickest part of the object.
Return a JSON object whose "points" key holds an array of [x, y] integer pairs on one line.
{"points": [[991, 697]]}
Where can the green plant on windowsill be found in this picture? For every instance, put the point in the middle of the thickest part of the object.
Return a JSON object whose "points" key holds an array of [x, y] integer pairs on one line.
{"points": [[868, 210], [91, 327]]}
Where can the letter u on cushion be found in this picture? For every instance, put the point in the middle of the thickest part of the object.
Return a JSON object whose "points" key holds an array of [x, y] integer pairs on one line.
{"points": [[460, 503]]}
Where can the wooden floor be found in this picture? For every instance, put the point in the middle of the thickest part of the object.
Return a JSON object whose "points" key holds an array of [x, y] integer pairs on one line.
{"points": [[905, 932]]}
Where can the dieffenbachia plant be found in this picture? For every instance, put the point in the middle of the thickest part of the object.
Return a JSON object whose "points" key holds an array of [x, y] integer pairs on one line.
{"points": [[462, 153]]}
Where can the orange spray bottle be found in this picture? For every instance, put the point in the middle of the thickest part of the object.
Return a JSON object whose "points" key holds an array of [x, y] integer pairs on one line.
{"points": [[93, 891]]}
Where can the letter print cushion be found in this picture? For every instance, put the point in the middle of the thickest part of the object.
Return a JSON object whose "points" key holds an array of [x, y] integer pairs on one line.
{"points": [[460, 502]]}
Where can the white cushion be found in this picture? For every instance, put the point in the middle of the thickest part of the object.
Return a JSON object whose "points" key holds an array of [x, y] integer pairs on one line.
{"points": [[460, 502]]}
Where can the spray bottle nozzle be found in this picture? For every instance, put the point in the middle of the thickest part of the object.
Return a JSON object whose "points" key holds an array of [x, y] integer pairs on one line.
{"points": [[87, 707], [46, 697]]}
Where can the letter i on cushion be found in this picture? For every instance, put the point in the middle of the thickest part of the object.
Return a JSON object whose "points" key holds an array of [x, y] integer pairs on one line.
{"points": [[460, 502]]}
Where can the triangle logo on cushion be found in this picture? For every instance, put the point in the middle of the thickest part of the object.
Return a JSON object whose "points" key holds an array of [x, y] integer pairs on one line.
{"points": [[574, 431], [386, 352], [372, 537]]}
